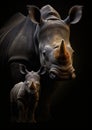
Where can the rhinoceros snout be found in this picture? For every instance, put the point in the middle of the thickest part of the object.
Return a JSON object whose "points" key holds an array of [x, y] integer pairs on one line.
{"points": [[61, 73]]}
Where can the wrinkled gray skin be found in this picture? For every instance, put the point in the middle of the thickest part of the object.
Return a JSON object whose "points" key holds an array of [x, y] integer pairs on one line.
{"points": [[24, 97]]}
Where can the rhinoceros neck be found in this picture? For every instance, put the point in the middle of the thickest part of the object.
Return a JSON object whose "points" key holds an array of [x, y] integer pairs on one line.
{"points": [[22, 47]]}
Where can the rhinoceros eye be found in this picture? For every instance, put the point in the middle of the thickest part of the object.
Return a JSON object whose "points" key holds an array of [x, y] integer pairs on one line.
{"points": [[57, 46], [44, 52], [27, 82]]}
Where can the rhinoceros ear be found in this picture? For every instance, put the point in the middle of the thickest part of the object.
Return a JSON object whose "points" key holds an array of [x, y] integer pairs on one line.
{"points": [[75, 14], [41, 71], [23, 69], [34, 13]]}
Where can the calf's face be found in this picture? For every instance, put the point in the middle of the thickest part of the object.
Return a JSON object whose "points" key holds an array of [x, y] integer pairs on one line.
{"points": [[32, 81]]}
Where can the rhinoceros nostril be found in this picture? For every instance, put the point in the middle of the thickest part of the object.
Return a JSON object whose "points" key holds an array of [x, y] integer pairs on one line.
{"points": [[52, 75]]}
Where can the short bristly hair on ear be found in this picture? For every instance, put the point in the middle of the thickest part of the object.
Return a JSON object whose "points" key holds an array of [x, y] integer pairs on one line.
{"points": [[34, 13], [75, 14]]}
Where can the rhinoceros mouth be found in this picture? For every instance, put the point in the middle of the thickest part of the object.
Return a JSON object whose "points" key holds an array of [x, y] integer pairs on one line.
{"points": [[62, 73]]}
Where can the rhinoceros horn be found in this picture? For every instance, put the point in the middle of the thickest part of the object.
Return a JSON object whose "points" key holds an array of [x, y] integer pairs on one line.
{"points": [[62, 48], [63, 52]]}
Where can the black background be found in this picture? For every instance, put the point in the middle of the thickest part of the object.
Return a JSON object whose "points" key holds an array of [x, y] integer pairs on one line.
{"points": [[71, 107]]}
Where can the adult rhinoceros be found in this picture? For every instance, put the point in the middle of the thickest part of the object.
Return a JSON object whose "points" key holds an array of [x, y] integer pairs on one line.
{"points": [[41, 32]]}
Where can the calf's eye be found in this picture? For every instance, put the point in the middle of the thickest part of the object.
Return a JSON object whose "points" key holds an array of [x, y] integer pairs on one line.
{"points": [[27, 82]]}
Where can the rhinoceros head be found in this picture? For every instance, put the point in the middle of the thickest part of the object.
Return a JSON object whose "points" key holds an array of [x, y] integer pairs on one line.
{"points": [[32, 79], [53, 35]]}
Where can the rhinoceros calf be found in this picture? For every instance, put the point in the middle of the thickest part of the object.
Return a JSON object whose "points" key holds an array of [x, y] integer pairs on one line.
{"points": [[24, 98]]}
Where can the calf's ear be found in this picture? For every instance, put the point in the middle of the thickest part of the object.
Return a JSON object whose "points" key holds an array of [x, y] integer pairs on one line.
{"points": [[34, 13], [23, 69], [75, 14], [41, 71]]}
